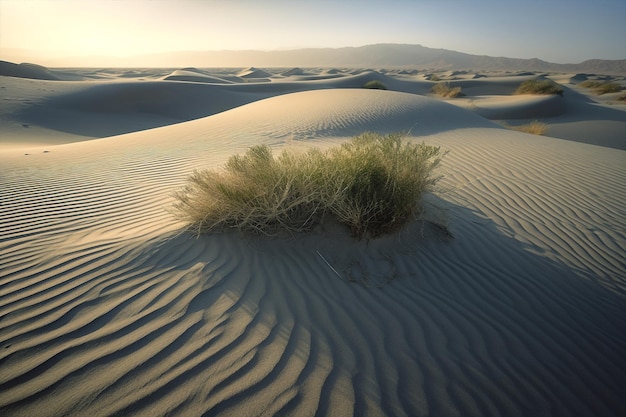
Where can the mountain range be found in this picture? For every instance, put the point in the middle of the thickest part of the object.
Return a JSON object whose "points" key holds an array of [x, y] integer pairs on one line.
{"points": [[375, 56]]}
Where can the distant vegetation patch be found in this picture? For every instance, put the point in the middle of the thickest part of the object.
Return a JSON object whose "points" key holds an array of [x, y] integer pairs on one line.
{"points": [[535, 127], [608, 88], [372, 184], [591, 84], [547, 87], [600, 87], [444, 89], [375, 85]]}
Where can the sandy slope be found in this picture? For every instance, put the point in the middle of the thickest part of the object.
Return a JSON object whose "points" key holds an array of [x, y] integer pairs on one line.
{"points": [[107, 309], [47, 112]]}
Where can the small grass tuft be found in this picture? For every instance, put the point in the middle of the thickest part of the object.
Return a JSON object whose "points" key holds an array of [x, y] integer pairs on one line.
{"points": [[535, 128], [375, 85], [445, 90], [372, 184], [547, 87]]}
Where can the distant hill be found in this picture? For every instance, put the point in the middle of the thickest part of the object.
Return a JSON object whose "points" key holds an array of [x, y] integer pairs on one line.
{"points": [[379, 55], [370, 56]]}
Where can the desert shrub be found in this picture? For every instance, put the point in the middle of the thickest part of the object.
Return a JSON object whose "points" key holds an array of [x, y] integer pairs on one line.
{"points": [[607, 88], [445, 90], [622, 97], [535, 128], [375, 84], [371, 184], [253, 192], [539, 87], [591, 84], [600, 87], [379, 181]]}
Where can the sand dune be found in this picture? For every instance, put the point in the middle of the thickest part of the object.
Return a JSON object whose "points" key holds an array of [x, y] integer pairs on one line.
{"points": [[97, 109], [525, 106], [253, 73], [102, 109], [26, 70], [107, 308], [293, 71], [196, 76]]}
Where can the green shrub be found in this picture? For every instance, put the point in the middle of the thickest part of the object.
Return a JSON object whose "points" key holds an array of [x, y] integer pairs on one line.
{"points": [[539, 87], [375, 84], [371, 184], [379, 181], [444, 90]]}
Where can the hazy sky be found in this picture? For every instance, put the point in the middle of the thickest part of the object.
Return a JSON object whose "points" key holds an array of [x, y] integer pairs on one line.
{"points": [[554, 30]]}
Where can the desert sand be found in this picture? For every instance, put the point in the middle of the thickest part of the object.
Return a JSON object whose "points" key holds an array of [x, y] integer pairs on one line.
{"points": [[108, 307]]}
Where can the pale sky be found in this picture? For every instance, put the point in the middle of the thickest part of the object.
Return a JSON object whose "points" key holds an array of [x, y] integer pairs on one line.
{"points": [[564, 31]]}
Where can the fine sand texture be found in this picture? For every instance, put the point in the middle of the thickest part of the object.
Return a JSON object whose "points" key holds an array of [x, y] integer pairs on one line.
{"points": [[109, 308]]}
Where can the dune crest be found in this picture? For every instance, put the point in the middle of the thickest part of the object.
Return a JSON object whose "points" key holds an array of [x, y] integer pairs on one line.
{"points": [[253, 73]]}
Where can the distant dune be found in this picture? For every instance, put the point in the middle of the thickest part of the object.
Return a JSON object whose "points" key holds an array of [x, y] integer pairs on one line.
{"points": [[26, 71]]}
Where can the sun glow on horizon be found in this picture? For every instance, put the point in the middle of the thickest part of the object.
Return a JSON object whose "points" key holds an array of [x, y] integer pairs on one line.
{"points": [[71, 28]]}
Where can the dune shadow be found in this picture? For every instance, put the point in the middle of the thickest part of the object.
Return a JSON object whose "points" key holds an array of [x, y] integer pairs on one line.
{"points": [[114, 109], [516, 316], [218, 320], [588, 121]]}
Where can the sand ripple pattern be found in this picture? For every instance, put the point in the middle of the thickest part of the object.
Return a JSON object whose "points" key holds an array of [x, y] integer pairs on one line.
{"points": [[107, 310]]}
